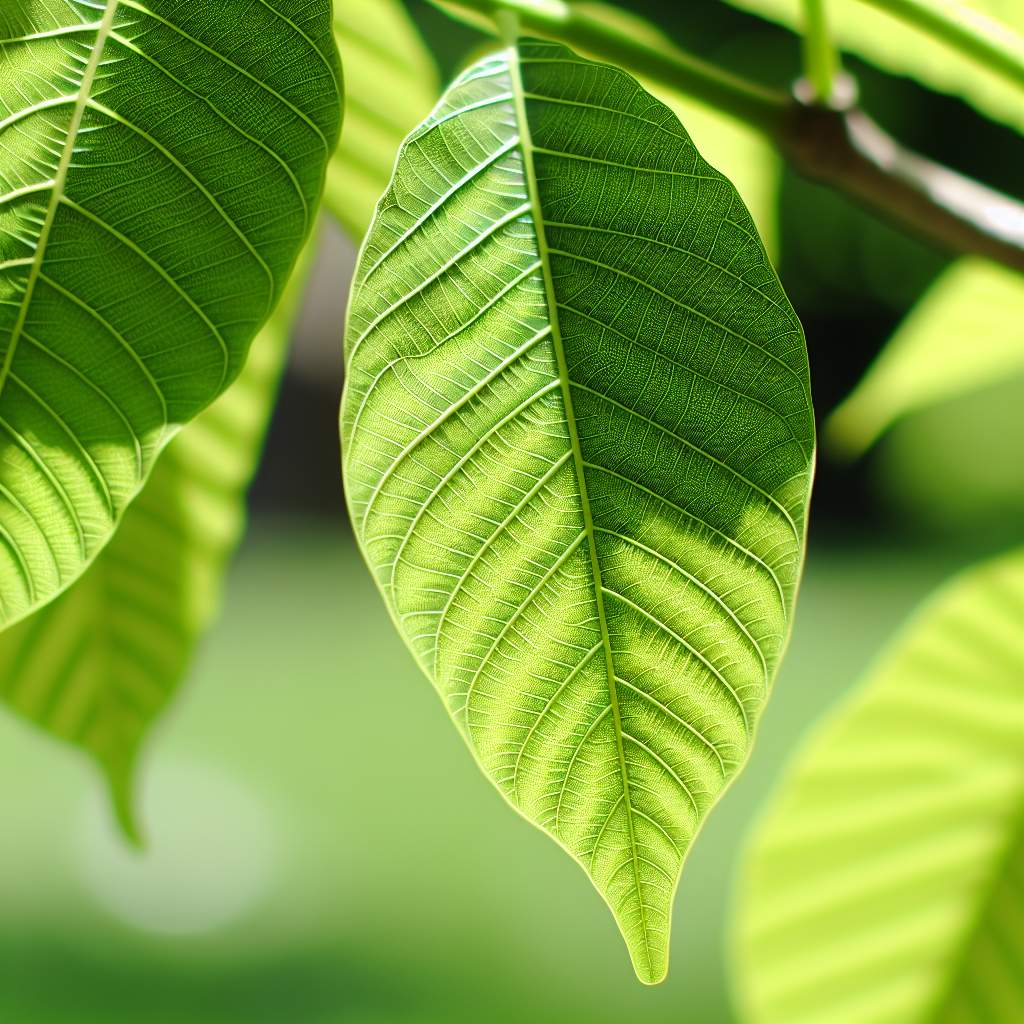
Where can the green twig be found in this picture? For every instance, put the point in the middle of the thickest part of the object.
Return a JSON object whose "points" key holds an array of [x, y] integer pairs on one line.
{"points": [[821, 61]]}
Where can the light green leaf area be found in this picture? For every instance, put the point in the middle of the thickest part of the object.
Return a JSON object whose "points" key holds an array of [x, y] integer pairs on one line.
{"points": [[98, 664], [902, 49], [966, 332], [391, 83], [160, 166], [886, 883], [577, 445], [744, 156]]}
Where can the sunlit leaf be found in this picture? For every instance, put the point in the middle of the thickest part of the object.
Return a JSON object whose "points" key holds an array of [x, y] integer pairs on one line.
{"points": [[159, 170], [902, 49], [966, 332], [886, 883], [97, 664], [390, 85], [578, 445]]}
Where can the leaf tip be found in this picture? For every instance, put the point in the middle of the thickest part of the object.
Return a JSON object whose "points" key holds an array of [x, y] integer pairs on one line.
{"points": [[119, 774], [850, 431]]}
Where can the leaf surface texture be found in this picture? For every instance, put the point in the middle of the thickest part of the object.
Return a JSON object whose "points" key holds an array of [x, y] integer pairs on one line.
{"points": [[578, 446], [160, 166], [886, 883]]}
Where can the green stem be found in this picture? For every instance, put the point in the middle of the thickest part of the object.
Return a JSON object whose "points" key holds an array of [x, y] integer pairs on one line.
{"points": [[972, 33], [821, 61], [763, 109]]}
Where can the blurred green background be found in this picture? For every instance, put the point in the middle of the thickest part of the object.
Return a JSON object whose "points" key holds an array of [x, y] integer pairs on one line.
{"points": [[322, 849]]}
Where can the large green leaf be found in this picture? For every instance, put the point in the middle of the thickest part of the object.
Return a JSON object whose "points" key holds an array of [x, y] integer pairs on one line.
{"points": [[97, 664], [902, 49], [159, 169], [390, 85], [886, 884], [967, 332], [578, 446]]}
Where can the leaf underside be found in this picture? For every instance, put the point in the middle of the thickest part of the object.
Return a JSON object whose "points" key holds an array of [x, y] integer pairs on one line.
{"points": [[160, 164], [886, 884], [578, 446]]}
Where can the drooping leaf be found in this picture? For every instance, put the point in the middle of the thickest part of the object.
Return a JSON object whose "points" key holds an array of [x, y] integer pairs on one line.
{"points": [[159, 169], [390, 85], [886, 884], [966, 332], [578, 445], [97, 664], [902, 49]]}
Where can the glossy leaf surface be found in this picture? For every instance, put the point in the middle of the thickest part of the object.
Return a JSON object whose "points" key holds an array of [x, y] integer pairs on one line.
{"points": [[577, 444], [886, 883], [160, 166]]}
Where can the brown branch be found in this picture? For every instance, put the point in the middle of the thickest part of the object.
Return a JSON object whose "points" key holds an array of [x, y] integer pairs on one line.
{"points": [[841, 146]]}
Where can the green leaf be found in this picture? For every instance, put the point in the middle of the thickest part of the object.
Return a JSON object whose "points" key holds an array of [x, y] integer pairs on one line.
{"points": [[903, 49], [578, 445], [927, 361], [886, 883], [390, 85], [97, 664], [159, 171], [743, 155]]}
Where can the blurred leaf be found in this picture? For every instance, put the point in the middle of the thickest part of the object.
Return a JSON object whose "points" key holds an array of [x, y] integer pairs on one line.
{"points": [[390, 85], [956, 467], [966, 332], [159, 171], [578, 444], [886, 882], [902, 49], [97, 664]]}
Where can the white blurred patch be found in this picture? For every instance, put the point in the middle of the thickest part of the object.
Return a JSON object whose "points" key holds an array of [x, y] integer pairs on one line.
{"points": [[210, 853]]}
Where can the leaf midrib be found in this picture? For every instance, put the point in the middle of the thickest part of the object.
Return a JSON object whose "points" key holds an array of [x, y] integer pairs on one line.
{"points": [[59, 180], [526, 142]]}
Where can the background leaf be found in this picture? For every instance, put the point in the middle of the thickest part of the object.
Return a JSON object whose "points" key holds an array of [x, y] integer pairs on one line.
{"points": [[390, 85], [97, 664], [966, 332], [901, 49], [159, 171], [578, 444], [886, 882]]}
